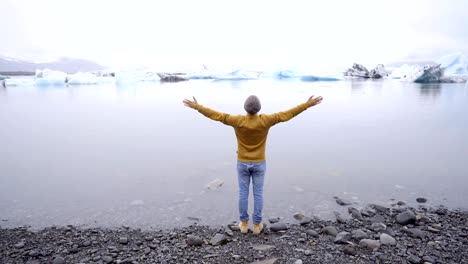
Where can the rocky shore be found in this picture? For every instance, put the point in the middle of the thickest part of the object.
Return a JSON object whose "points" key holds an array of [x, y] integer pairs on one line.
{"points": [[373, 234]]}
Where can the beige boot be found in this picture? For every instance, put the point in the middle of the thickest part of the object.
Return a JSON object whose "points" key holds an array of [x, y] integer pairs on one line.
{"points": [[244, 227], [257, 228]]}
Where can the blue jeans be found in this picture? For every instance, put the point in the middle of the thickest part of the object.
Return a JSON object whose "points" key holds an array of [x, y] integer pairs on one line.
{"points": [[256, 172]]}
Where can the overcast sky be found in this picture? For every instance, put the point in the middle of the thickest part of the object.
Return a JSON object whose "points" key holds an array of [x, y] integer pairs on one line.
{"points": [[217, 32]]}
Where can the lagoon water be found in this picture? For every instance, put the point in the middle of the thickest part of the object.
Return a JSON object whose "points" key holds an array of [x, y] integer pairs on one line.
{"points": [[132, 154]]}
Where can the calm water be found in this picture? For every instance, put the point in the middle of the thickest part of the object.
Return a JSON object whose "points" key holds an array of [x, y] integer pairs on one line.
{"points": [[133, 155]]}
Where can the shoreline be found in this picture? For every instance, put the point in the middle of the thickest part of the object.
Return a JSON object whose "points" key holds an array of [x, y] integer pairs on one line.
{"points": [[374, 234]]}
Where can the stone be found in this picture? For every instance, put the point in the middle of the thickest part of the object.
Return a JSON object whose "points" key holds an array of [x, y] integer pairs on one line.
{"points": [[228, 232], [262, 247], [107, 259], [299, 261], [273, 220], [421, 200], [305, 220], [355, 213], [339, 218], [342, 202], [298, 216], [280, 226], [123, 240], [86, 244], [429, 259], [218, 239], [312, 233], [413, 259], [415, 233], [19, 245], [329, 230], [377, 219], [406, 217], [58, 260], [377, 227], [267, 261], [387, 240], [193, 241], [342, 237], [358, 234], [349, 250], [369, 243], [307, 252], [378, 207], [433, 230], [33, 253]]}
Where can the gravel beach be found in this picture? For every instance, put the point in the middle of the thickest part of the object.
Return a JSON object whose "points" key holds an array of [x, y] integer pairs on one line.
{"points": [[373, 234]]}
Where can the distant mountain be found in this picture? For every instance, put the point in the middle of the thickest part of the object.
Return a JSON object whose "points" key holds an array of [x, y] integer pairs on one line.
{"points": [[64, 64]]}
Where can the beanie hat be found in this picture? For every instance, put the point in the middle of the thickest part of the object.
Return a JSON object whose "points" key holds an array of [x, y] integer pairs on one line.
{"points": [[252, 105]]}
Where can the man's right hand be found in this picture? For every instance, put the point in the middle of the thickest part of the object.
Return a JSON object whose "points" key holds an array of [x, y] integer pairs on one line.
{"points": [[314, 100]]}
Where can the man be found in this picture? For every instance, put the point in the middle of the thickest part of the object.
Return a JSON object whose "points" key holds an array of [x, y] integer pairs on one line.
{"points": [[251, 132]]}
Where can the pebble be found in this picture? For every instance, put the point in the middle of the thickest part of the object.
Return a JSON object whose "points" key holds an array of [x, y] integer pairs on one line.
{"points": [[280, 226], [299, 261], [369, 243], [421, 200], [342, 237], [305, 220], [312, 233], [307, 252], [263, 247], [329, 230], [19, 245], [273, 220], [349, 250], [377, 227], [355, 213], [193, 241], [123, 240], [218, 239], [58, 260], [413, 259], [415, 233], [342, 202], [387, 240], [406, 217], [358, 234], [107, 259]]}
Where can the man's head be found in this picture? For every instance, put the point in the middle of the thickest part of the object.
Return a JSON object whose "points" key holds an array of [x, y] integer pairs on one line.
{"points": [[252, 105]]}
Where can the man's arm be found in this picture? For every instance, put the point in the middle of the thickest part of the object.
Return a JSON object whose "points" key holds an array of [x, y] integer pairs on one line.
{"points": [[284, 116], [224, 118]]}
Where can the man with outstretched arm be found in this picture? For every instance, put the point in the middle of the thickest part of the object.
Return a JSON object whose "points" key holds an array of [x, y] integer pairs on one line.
{"points": [[251, 131]]}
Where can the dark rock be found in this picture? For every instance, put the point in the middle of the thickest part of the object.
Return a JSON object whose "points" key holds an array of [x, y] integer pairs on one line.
{"points": [[377, 227], [378, 208], [342, 237], [349, 250], [355, 213], [305, 220], [401, 203], [33, 253], [274, 220], [278, 227], [312, 233], [429, 259], [19, 245], [193, 241], [107, 259], [267, 261], [329, 230], [228, 231], [342, 202], [58, 260], [339, 218], [421, 200], [358, 234], [413, 259], [298, 216], [218, 239], [378, 219], [123, 240], [406, 217], [415, 233]]}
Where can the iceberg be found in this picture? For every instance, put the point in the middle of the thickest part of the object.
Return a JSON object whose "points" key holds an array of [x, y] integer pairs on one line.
{"points": [[171, 77], [82, 78], [454, 64], [312, 78], [50, 77], [19, 82], [238, 75], [125, 77]]}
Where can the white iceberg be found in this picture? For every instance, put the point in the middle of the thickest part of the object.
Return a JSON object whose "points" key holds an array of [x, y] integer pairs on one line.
{"points": [[238, 75], [50, 77], [82, 78], [19, 82], [454, 64], [407, 72], [125, 77]]}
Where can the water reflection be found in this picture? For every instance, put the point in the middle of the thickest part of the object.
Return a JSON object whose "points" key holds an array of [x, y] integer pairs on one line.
{"points": [[430, 89]]}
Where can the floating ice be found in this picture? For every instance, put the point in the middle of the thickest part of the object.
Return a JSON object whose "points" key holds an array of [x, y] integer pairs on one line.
{"points": [[50, 77], [238, 75], [19, 82], [454, 64], [312, 78], [82, 78]]}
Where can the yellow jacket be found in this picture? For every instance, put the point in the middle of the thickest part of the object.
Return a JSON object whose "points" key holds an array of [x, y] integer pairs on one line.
{"points": [[251, 130]]}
